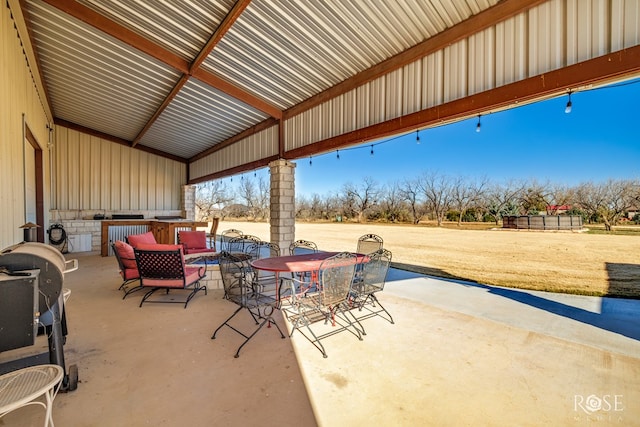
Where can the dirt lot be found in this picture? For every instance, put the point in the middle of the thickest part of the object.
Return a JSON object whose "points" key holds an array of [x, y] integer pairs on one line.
{"points": [[580, 263]]}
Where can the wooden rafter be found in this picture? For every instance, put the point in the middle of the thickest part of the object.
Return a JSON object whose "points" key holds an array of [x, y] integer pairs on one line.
{"points": [[85, 14]]}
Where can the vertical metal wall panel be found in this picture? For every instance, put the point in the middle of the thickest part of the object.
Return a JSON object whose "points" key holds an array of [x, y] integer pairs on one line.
{"points": [[338, 115], [455, 77], [511, 50], [626, 23], [547, 37], [376, 96], [433, 76], [257, 146], [93, 173], [393, 94], [19, 99], [412, 90], [631, 15], [587, 29], [481, 63], [362, 106]]}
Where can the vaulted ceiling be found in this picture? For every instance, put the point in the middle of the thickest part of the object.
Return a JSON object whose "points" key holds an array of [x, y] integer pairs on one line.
{"points": [[186, 78]]}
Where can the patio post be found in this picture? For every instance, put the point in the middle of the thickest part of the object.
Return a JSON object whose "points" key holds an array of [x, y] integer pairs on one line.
{"points": [[282, 203], [189, 202]]}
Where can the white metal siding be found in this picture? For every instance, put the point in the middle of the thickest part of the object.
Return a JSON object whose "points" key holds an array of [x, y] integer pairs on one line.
{"points": [[548, 37], [94, 173], [260, 145]]}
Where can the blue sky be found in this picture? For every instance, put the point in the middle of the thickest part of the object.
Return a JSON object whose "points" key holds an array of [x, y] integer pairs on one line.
{"points": [[598, 140]]}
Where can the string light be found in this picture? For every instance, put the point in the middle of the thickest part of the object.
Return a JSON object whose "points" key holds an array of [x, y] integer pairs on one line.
{"points": [[372, 149], [567, 109], [338, 154], [478, 125], [310, 162], [255, 174], [417, 137]]}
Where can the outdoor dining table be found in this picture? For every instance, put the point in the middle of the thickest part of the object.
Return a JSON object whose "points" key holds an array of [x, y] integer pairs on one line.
{"points": [[305, 263]]}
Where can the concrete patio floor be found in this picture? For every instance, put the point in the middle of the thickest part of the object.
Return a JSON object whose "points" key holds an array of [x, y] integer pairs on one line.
{"points": [[459, 354]]}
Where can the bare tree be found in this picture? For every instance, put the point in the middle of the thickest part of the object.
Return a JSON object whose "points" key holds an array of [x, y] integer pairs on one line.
{"points": [[558, 196], [501, 199], [533, 198], [248, 194], [409, 190], [211, 198], [438, 194], [263, 198], [466, 193], [608, 200], [392, 203], [362, 197]]}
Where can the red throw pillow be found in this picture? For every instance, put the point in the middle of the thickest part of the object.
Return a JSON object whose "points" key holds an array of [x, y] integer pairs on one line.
{"points": [[193, 239], [125, 252], [137, 239]]}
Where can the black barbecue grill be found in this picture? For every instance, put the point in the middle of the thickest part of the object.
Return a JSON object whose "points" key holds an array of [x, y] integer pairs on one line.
{"points": [[32, 299]]}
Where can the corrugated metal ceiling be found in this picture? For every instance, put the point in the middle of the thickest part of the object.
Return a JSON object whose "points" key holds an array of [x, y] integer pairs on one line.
{"points": [[278, 52]]}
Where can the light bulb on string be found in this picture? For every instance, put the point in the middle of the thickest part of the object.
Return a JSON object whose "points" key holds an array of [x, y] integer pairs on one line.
{"points": [[372, 150], [255, 174], [567, 109], [310, 161], [478, 125], [338, 154], [417, 137]]}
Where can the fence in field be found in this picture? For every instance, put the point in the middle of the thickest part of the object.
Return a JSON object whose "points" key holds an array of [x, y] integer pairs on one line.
{"points": [[543, 222]]}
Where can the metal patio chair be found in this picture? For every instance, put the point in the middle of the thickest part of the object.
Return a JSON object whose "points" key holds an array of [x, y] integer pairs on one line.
{"points": [[369, 243], [327, 310], [128, 268], [241, 289], [240, 243], [367, 284], [300, 247], [227, 235], [162, 267]]}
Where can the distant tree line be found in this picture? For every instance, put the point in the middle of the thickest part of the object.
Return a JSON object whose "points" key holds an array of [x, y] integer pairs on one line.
{"points": [[432, 196]]}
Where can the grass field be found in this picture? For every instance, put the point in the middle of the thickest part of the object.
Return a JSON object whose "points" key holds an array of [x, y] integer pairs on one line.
{"points": [[580, 263]]}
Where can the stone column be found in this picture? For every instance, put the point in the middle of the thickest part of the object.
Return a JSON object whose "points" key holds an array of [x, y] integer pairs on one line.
{"points": [[189, 202], [282, 204]]}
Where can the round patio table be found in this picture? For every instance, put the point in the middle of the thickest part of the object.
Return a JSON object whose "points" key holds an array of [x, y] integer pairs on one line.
{"points": [[22, 387], [305, 263], [293, 263]]}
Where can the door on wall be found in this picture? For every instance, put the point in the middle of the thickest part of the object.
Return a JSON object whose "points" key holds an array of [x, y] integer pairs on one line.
{"points": [[34, 184]]}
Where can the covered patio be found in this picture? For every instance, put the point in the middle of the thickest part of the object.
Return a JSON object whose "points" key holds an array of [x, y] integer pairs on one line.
{"points": [[457, 355], [111, 108]]}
